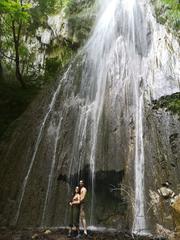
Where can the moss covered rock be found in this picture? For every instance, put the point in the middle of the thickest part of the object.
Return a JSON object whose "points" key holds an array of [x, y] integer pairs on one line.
{"points": [[176, 213], [170, 103], [168, 12]]}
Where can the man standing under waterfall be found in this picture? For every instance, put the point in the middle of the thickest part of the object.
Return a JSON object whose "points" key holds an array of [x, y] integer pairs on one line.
{"points": [[166, 195], [83, 192]]}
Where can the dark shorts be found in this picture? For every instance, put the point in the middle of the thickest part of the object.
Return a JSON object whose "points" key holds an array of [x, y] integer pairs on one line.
{"points": [[82, 211], [74, 215]]}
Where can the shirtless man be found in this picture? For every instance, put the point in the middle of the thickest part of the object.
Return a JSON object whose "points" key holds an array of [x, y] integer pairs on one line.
{"points": [[83, 192], [166, 197], [165, 192]]}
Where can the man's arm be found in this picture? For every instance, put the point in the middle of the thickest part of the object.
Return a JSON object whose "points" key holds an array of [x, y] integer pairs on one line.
{"points": [[172, 194], [83, 194]]}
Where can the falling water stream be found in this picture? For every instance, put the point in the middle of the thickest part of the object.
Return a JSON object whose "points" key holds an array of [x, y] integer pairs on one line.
{"points": [[40, 134], [116, 58], [51, 175]]}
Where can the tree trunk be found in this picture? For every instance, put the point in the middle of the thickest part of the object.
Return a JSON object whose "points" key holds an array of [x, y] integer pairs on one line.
{"points": [[1, 71], [18, 72], [1, 68], [17, 59]]}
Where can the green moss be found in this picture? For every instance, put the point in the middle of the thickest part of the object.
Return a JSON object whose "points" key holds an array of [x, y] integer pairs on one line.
{"points": [[81, 27], [52, 65], [72, 7], [170, 102], [62, 51], [168, 12]]}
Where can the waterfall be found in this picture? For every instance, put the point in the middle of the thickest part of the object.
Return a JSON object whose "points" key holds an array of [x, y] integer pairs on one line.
{"points": [[113, 53], [109, 83], [116, 28], [98, 52], [139, 226]]}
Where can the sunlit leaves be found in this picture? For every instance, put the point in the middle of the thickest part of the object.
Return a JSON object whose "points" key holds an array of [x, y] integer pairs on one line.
{"points": [[168, 13], [173, 12], [173, 4], [16, 9]]}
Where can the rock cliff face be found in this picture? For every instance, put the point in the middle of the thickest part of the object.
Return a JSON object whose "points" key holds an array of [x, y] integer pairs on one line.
{"points": [[162, 161], [53, 144]]}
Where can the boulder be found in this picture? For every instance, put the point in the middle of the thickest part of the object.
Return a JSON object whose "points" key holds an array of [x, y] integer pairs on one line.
{"points": [[163, 232], [176, 215]]}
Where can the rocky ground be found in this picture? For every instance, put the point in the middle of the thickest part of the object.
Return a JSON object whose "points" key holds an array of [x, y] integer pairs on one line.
{"points": [[61, 234]]}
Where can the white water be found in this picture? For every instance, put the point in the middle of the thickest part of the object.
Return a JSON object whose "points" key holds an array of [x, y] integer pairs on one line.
{"points": [[121, 47], [113, 54], [139, 226], [51, 174], [98, 50], [37, 143]]}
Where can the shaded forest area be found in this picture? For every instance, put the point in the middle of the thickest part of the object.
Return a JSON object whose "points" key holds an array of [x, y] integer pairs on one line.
{"points": [[31, 59]]}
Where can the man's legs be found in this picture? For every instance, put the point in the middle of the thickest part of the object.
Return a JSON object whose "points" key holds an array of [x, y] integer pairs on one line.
{"points": [[84, 225], [83, 219], [70, 231]]}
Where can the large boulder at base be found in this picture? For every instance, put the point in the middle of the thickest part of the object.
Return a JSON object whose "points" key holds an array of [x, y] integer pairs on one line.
{"points": [[176, 215]]}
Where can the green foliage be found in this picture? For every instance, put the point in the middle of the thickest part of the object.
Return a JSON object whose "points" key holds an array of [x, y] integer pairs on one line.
{"points": [[168, 11], [58, 58], [33, 17], [53, 6], [70, 7], [15, 9], [27, 19], [81, 26], [173, 12], [15, 19], [52, 66], [47, 7], [170, 102], [173, 4]]}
